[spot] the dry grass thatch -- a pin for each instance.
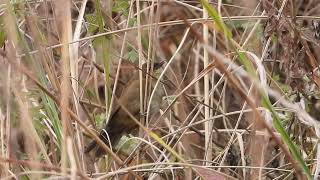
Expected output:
(156, 89)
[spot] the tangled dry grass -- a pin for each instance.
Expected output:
(239, 87)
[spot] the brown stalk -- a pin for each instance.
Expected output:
(38, 165)
(312, 63)
(63, 17)
(311, 60)
(43, 55)
(74, 117)
(236, 85)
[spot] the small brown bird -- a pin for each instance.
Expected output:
(120, 122)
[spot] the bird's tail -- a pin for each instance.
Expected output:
(91, 146)
(113, 137)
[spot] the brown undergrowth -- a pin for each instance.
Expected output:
(183, 97)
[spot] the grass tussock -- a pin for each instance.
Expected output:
(159, 89)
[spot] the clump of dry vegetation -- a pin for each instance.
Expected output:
(190, 89)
